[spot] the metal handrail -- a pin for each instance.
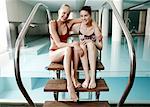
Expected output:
(137, 5)
(131, 52)
(124, 28)
(17, 50)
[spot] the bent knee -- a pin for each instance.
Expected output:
(55, 57)
(83, 46)
(91, 45)
(68, 50)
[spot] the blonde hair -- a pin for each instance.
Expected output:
(63, 5)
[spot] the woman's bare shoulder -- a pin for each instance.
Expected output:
(94, 24)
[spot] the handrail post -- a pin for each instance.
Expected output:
(131, 53)
(17, 51)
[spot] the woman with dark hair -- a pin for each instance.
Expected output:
(90, 39)
(60, 50)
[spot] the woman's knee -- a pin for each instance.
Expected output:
(83, 47)
(78, 50)
(91, 45)
(68, 50)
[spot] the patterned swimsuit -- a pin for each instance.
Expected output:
(87, 37)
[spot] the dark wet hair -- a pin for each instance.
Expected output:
(87, 8)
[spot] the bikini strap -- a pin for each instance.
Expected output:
(67, 28)
(86, 35)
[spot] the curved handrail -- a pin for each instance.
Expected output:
(131, 52)
(124, 28)
(17, 50)
(137, 5)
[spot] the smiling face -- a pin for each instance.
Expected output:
(64, 12)
(85, 16)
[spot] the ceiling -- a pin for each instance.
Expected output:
(54, 5)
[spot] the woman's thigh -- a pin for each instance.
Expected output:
(83, 47)
(91, 45)
(57, 55)
(91, 48)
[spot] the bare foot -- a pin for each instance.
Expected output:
(85, 83)
(72, 93)
(76, 83)
(92, 84)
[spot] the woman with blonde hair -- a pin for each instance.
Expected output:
(60, 50)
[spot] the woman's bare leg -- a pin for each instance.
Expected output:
(74, 76)
(92, 55)
(74, 67)
(57, 56)
(67, 68)
(84, 62)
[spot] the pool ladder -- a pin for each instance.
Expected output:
(100, 81)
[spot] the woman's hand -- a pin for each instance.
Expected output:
(100, 37)
(75, 43)
(99, 43)
(83, 42)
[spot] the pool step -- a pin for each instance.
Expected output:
(60, 85)
(76, 104)
(58, 66)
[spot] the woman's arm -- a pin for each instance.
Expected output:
(71, 22)
(75, 28)
(54, 34)
(99, 42)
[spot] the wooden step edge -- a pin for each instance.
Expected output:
(58, 66)
(76, 104)
(61, 86)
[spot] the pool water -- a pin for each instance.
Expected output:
(115, 58)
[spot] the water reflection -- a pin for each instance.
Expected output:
(139, 46)
(115, 55)
(146, 50)
(6, 65)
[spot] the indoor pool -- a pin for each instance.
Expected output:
(115, 58)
